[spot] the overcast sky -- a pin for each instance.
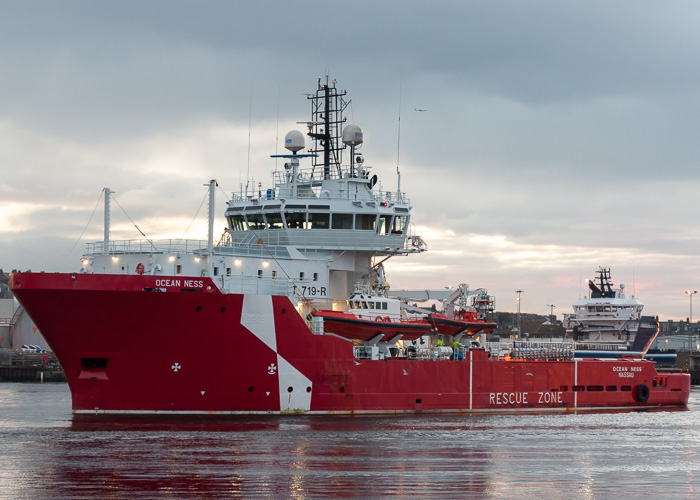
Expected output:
(558, 136)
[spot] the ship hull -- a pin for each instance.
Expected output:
(146, 344)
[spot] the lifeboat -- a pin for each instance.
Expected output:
(463, 322)
(352, 327)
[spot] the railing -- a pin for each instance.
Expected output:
(146, 246)
(313, 179)
(377, 352)
(326, 238)
(541, 351)
(593, 346)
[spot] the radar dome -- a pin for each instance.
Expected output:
(294, 141)
(352, 135)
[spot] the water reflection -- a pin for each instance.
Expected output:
(51, 454)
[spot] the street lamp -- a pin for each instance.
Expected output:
(518, 292)
(551, 312)
(690, 294)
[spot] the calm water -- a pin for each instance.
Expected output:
(45, 452)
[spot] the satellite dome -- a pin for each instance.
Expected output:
(352, 135)
(294, 141)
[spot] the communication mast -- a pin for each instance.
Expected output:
(327, 107)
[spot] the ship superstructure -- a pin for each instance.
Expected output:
(608, 322)
(311, 236)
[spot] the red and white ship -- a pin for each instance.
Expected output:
(192, 327)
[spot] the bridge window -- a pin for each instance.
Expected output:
(342, 221)
(318, 221)
(256, 222)
(238, 223)
(365, 221)
(384, 224)
(296, 220)
(274, 220)
(399, 224)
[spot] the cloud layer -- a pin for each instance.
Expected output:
(556, 138)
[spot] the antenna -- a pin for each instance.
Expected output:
(250, 119)
(277, 129)
(398, 141)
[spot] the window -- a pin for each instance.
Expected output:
(228, 271)
(295, 220)
(260, 273)
(216, 271)
(256, 222)
(178, 269)
(238, 223)
(365, 221)
(301, 275)
(315, 276)
(342, 221)
(318, 221)
(274, 220)
(274, 275)
(384, 224)
(399, 224)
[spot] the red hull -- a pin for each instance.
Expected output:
(127, 348)
(349, 326)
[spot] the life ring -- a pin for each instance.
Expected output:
(641, 393)
(378, 318)
(139, 268)
(387, 319)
